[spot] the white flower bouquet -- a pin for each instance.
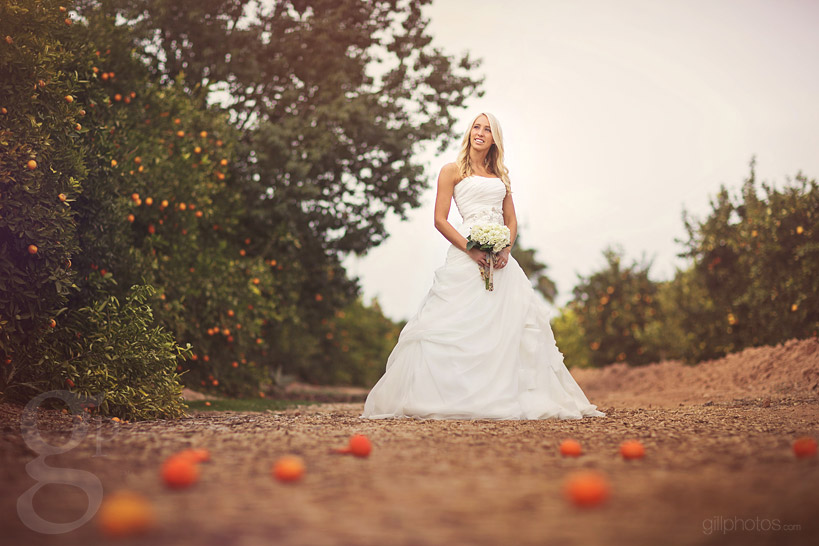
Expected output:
(490, 238)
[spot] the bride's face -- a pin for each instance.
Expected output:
(481, 136)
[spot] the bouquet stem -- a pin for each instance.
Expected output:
(487, 272)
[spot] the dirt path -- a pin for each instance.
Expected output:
(716, 471)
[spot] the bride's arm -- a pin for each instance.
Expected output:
(510, 219)
(443, 199)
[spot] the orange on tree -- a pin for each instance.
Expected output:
(32, 249)
(31, 164)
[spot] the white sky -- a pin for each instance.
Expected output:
(616, 116)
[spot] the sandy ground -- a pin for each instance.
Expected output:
(718, 469)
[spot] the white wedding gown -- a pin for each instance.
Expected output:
(470, 353)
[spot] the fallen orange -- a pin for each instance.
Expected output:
(359, 446)
(289, 468)
(804, 447)
(570, 448)
(179, 472)
(632, 449)
(587, 488)
(125, 513)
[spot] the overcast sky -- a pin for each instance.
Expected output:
(617, 115)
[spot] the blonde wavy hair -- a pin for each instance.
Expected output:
(494, 159)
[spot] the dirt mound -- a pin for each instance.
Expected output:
(790, 369)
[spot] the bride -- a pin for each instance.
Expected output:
(468, 352)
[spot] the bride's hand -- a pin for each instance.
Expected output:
(479, 256)
(502, 259)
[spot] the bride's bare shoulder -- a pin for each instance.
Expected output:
(450, 174)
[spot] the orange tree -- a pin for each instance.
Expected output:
(755, 259)
(614, 306)
(220, 287)
(332, 100)
(65, 324)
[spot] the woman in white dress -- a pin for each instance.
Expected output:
(468, 352)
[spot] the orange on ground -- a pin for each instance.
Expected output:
(125, 513)
(570, 448)
(632, 449)
(288, 468)
(359, 446)
(31, 164)
(179, 472)
(586, 488)
(804, 447)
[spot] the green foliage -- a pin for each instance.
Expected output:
(38, 233)
(571, 339)
(535, 270)
(751, 281)
(755, 259)
(614, 307)
(70, 207)
(334, 99)
(358, 341)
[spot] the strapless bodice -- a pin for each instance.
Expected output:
(479, 200)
